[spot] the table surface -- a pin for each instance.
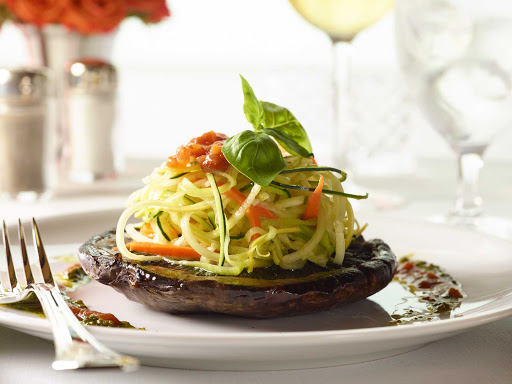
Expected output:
(483, 354)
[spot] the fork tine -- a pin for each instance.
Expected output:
(10, 266)
(26, 264)
(43, 260)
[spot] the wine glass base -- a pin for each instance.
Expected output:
(490, 225)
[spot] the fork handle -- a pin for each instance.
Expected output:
(75, 347)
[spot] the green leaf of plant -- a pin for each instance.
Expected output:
(252, 106)
(281, 119)
(287, 142)
(255, 155)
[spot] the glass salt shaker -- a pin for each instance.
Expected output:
(25, 137)
(91, 117)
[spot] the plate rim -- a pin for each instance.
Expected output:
(439, 326)
(26, 321)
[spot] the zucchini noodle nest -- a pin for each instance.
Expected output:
(181, 207)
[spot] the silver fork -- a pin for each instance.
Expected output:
(75, 347)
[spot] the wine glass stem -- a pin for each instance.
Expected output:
(468, 202)
(341, 99)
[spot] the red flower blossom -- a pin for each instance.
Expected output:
(151, 11)
(38, 12)
(94, 16)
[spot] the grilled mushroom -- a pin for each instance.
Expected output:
(264, 293)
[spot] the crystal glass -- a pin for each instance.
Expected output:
(457, 60)
(342, 20)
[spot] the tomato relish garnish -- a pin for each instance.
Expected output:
(205, 150)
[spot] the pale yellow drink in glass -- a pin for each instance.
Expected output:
(342, 19)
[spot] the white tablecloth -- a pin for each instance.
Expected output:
(481, 355)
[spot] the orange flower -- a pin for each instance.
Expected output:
(151, 11)
(94, 16)
(38, 12)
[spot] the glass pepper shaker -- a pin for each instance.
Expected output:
(25, 137)
(91, 117)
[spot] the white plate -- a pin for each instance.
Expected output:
(353, 333)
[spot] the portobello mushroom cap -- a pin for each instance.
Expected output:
(269, 292)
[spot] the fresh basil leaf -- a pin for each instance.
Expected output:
(287, 142)
(282, 119)
(252, 106)
(255, 155)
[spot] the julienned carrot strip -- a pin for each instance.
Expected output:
(264, 212)
(313, 205)
(163, 250)
(239, 197)
(147, 230)
(236, 195)
(314, 161)
(252, 213)
(255, 221)
(173, 232)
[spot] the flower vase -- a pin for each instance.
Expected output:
(55, 48)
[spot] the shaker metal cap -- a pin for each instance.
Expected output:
(92, 75)
(23, 84)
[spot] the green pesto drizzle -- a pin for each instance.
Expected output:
(433, 298)
(70, 279)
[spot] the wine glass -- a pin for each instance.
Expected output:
(342, 20)
(457, 61)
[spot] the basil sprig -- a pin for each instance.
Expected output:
(253, 108)
(286, 129)
(254, 153)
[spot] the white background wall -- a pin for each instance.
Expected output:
(180, 78)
